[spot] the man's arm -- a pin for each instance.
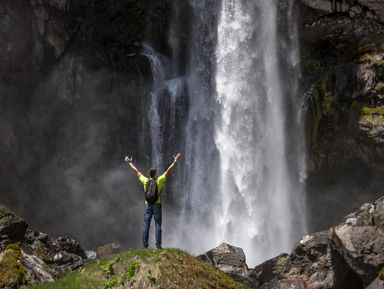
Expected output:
(175, 159)
(129, 161)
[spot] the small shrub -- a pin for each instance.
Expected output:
(130, 270)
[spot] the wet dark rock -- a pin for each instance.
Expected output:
(376, 284)
(230, 260)
(270, 269)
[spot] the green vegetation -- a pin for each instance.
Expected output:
(371, 43)
(12, 273)
(139, 268)
(41, 251)
(356, 105)
(130, 271)
(379, 110)
(371, 59)
(381, 274)
(379, 86)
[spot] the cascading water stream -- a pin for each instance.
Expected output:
(250, 134)
(168, 91)
(244, 154)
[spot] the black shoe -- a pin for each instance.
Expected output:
(159, 247)
(145, 246)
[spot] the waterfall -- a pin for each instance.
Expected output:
(251, 133)
(163, 106)
(245, 151)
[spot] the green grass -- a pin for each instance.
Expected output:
(372, 110)
(12, 273)
(140, 268)
(369, 58)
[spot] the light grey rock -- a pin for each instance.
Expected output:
(230, 260)
(91, 255)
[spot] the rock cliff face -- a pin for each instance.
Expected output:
(74, 87)
(342, 47)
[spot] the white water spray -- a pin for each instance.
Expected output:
(256, 211)
(245, 152)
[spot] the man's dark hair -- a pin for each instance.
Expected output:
(152, 173)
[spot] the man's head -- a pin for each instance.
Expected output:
(152, 173)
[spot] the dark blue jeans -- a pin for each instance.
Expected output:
(149, 211)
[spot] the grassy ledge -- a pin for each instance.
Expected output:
(140, 268)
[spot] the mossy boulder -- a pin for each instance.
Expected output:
(11, 226)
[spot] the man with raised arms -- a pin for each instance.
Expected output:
(152, 188)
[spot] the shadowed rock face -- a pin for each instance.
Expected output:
(74, 89)
(341, 50)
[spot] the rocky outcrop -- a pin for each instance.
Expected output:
(371, 8)
(31, 257)
(349, 255)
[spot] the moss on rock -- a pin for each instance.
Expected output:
(371, 43)
(41, 251)
(12, 273)
(381, 274)
(375, 60)
(378, 110)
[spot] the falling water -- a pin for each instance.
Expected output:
(245, 152)
(251, 132)
(164, 94)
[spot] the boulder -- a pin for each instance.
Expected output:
(347, 256)
(11, 226)
(313, 263)
(360, 240)
(107, 250)
(230, 260)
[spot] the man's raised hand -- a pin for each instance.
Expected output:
(128, 159)
(176, 157)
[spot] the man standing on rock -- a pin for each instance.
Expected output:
(152, 188)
